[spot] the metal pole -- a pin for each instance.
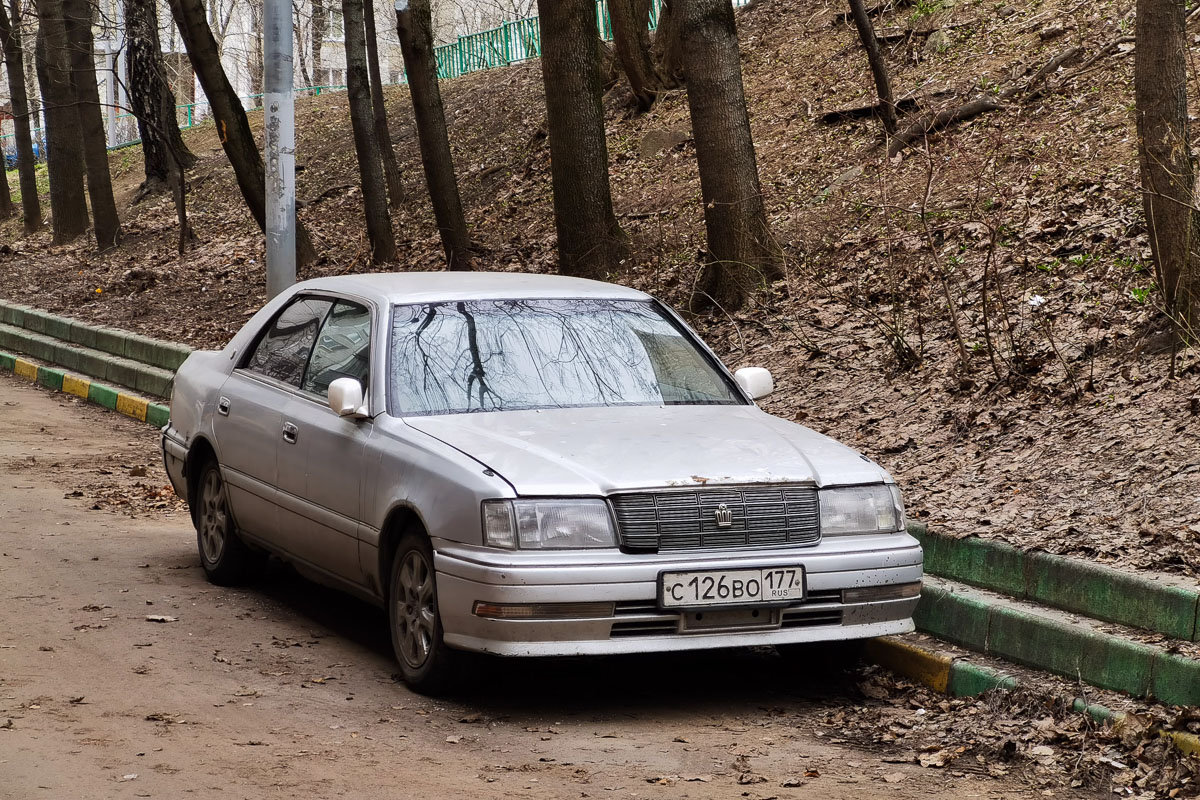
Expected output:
(280, 146)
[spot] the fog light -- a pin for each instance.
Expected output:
(543, 610)
(877, 594)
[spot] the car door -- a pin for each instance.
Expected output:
(249, 422)
(321, 465)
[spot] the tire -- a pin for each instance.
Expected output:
(226, 559)
(427, 665)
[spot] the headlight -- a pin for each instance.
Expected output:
(861, 509)
(547, 524)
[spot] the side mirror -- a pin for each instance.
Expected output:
(755, 381)
(346, 398)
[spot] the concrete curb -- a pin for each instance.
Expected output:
(1070, 584)
(957, 677)
(130, 405)
(116, 342)
(1074, 650)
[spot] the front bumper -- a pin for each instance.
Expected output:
(466, 576)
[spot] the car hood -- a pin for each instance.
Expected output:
(595, 451)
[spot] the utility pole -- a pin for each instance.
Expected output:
(279, 104)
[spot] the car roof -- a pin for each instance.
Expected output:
(425, 287)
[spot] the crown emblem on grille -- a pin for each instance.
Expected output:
(724, 516)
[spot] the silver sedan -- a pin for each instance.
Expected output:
(529, 465)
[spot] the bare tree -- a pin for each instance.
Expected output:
(320, 24)
(667, 49)
(883, 83)
(64, 140)
(631, 40)
(150, 97)
(255, 66)
(743, 255)
(232, 125)
(414, 24)
(590, 242)
(370, 170)
(106, 224)
(383, 136)
(14, 61)
(1168, 174)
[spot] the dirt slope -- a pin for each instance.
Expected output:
(980, 317)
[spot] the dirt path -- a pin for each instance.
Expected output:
(286, 690)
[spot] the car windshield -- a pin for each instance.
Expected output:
(506, 355)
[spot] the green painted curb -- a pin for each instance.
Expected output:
(1071, 584)
(968, 680)
(1097, 658)
(158, 415)
(98, 365)
(50, 378)
(959, 677)
(103, 395)
(153, 352)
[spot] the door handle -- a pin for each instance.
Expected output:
(290, 432)
(223, 406)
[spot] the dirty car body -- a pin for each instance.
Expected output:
(529, 465)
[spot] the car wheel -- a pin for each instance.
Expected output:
(225, 557)
(426, 663)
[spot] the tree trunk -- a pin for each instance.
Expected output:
(320, 20)
(414, 24)
(370, 170)
(230, 118)
(743, 254)
(6, 203)
(14, 61)
(383, 136)
(590, 243)
(879, 70)
(150, 96)
(668, 42)
(631, 40)
(105, 222)
(1160, 86)
(64, 140)
(254, 58)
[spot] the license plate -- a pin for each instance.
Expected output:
(732, 587)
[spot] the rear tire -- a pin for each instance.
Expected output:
(427, 665)
(226, 559)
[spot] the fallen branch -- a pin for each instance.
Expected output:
(325, 195)
(933, 122)
(863, 112)
(1086, 66)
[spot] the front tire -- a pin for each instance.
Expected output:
(226, 559)
(426, 663)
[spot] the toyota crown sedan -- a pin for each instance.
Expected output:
(529, 465)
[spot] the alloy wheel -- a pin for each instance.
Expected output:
(416, 614)
(214, 517)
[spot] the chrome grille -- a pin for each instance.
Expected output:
(762, 516)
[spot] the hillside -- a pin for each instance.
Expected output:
(980, 318)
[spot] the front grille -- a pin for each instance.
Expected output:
(760, 516)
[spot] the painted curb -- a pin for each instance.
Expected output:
(139, 376)
(152, 352)
(993, 627)
(957, 677)
(1070, 584)
(138, 408)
